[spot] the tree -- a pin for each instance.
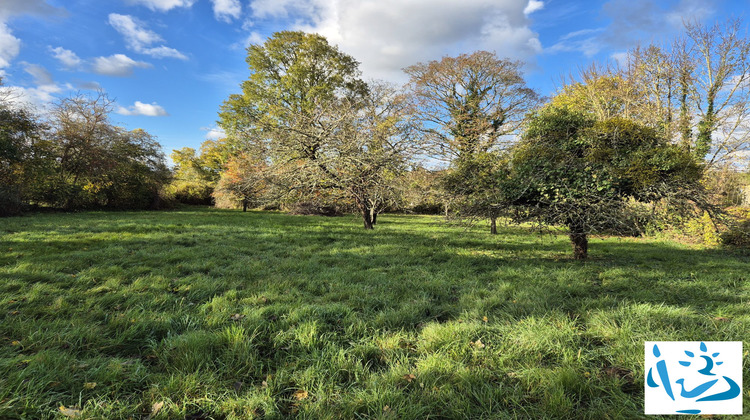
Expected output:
(20, 150)
(319, 126)
(245, 180)
(468, 105)
(196, 175)
(570, 169)
(97, 164)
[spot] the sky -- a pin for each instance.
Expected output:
(169, 64)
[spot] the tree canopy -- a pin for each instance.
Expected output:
(572, 170)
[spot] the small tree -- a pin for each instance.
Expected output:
(244, 180)
(574, 171)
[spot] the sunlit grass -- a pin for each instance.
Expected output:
(223, 314)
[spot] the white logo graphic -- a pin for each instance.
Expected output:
(693, 377)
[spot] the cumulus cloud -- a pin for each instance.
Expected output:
(533, 6)
(10, 46)
(162, 5)
(67, 58)
(118, 65)
(227, 10)
(140, 39)
(214, 133)
(387, 35)
(142, 109)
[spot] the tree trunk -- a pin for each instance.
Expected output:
(244, 205)
(493, 225)
(580, 244)
(367, 217)
(373, 216)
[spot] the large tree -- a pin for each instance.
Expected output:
(469, 106)
(319, 126)
(572, 170)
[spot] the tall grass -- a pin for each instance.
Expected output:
(222, 314)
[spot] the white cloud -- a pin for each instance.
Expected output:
(163, 5)
(10, 46)
(533, 6)
(633, 21)
(214, 133)
(139, 108)
(139, 38)
(387, 35)
(31, 7)
(227, 10)
(119, 65)
(42, 77)
(68, 58)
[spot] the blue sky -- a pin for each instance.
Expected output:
(170, 63)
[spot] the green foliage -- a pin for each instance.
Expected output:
(572, 170)
(227, 314)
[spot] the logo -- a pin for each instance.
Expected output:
(693, 377)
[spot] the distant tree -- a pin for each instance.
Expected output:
(20, 149)
(196, 174)
(305, 109)
(468, 106)
(572, 170)
(246, 179)
(98, 164)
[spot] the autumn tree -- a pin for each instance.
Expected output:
(468, 106)
(573, 170)
(318, 124)
(246, 179)
(98, 164)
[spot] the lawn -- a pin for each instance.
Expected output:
(204, 313)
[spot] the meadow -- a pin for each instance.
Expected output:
(204, 313)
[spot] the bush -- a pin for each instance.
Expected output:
(739, 231)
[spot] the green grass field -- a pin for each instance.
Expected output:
(204, 313)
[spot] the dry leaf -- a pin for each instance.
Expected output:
(300, 395)
(70, 412)
(478, 344)
(89, 385)
(264, 384)
(386, 409)
(410, 377)
(236, 317)
(484, 318)
(156, 407)
(15, 343)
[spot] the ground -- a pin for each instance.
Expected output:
(204, 313)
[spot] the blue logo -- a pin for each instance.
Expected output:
(693, 378)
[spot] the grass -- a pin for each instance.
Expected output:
(219, 314)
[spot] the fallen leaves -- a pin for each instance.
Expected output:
(70, 411)
(300, 395)
(89, 385)
(409, 377)
(236, 317)
(155, 408)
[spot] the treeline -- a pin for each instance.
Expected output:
(75, 158)
(618, 149)
(655, 141)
